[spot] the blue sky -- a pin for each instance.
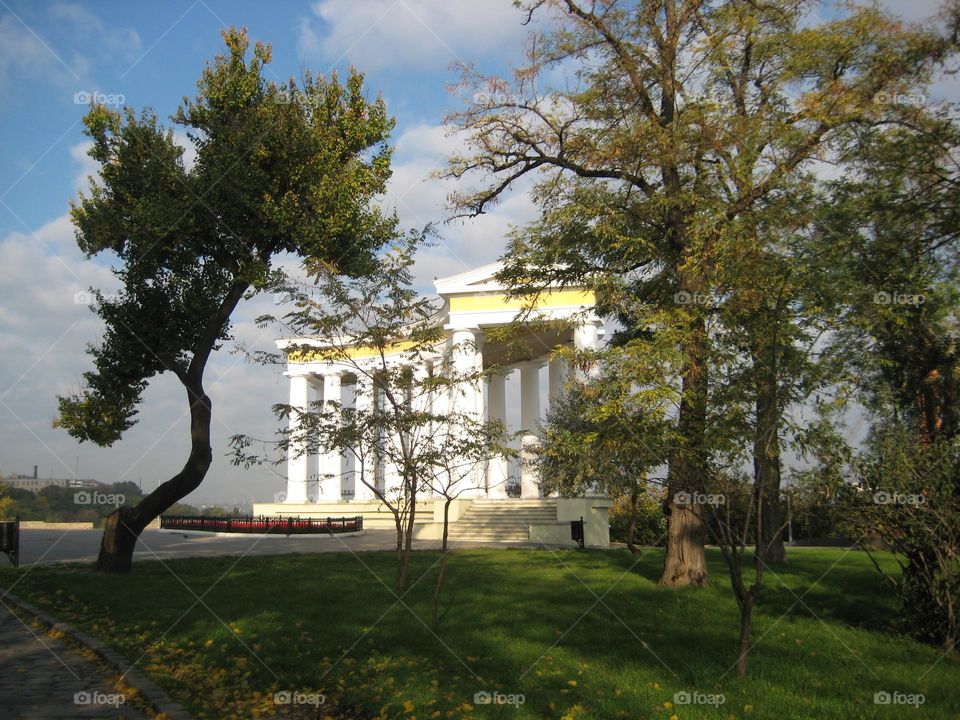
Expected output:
(152, 55)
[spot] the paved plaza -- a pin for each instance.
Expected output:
(53, 546)
(43, 677)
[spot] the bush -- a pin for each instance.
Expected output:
(651, 523)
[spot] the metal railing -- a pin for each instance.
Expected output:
(262, 524)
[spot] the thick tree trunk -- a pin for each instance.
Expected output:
(766, 464)
(685, 561)
(124, 525)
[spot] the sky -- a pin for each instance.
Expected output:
(55, 54)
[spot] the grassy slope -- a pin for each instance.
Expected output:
(522, 621)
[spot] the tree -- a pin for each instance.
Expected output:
(279, 169)
(890, 240)
(904, 495)
(379, 330)
(608, 432)
(734, 514)
(453, 449)
(679, 118)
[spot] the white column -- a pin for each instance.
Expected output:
(297, 459)
(498, 468)
(364, 403)
(466, 360)
(392, 479)
(530, 422)
(467, 397)
(586, 337)
(331, 463)
(559, 370)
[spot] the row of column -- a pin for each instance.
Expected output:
(466, 347)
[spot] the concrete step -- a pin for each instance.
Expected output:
(517, 537)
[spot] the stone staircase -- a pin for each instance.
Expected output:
(502, 520)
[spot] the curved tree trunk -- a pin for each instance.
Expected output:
(124, 525)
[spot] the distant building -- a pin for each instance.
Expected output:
(35, 484)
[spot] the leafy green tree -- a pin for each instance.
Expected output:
(279, 169)
(890, 240)
(680, 119)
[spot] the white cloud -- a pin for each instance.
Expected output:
(43, 335)
(378, 34)
(189, 149)
(22, 53)
(421, 198)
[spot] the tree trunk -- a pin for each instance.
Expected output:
(435, 612)
(403, 565)
(632, 524)
(746, 618)
(124, 525)
(685, 561)
(766, 464)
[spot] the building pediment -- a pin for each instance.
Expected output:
(481, 279)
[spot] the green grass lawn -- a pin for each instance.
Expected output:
(515, 621)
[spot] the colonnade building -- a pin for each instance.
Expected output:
(504, 494)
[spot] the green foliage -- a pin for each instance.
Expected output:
(61, 504)
(650, 524)
(906, 495)
(279, 169)
(7, 509)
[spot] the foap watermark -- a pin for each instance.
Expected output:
(894, 98)
(485, 697)
(882, 497)
(690, 298)
(884, 697)
(85, 297)
(95, 697)
(297, 697)
(95, 497)
(686, 499)
(84, 97)
(898, 298)
(698, 698)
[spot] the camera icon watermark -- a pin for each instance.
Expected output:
(297, 697)
(85, 97)
(883, 697)
(485, 697)
(686, 499)
(95, 697)
(94, 497)
(698, 698)
(898, 298)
